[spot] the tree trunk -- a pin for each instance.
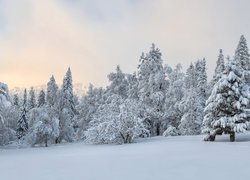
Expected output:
(232, 136)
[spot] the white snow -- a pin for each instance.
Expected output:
(159, 158)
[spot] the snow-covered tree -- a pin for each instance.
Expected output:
(193, 113)
(24, 105)
(220, 67)
(31, 99)
(174, 95)
(16, 100)
(119, 83)
(132, 86)
(43, 129)
(6, 134)
(242, 56)
(41, 99)
(52, 88)
(116, 122)
(152, 88)
(22, 124)
(87, 107)
(225, 110)
(201, 79)
(67, 109)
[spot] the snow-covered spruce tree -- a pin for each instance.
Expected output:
(192, 118)
(24, 103)
(201, 78)
(43, 127)
(152, 88)
(87, 107)
(16, 100)
(174, 95)
(191, 105)
(67, 109)
(116, 122)
(41, 99)
(52, 88)
(220, 68)
(22, 124)
(242, 56)
(119, 83)
(132, 86)
(31, 99)
(225, 106)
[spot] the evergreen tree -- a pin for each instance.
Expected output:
(87, 108)
(220, 67)
(24, 99)
(22, 124)
(52, 88)
(174, 95)
(201, 79)
(242, 56)
(119, 83)
(67, 109)
(225, 111)
(32, 99)
(16, 100)
(41, 99)
(152, 88)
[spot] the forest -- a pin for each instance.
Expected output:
(156, 100)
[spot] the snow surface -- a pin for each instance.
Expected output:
(159, 158)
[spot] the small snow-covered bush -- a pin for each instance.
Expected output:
(171, 131)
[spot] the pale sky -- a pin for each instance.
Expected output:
(39, 38)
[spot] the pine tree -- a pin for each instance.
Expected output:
(220, 67)
(174, 95)
(24, 99)
(52, 88)
(225, 110)
(152, 88)
(242, 56)
(32, 99)
(22, 124)
(201, 79)
(191, 105)
(119, 83)
(41, 99)
(67, 109)
(16, 100)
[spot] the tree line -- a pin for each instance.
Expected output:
(155, 100)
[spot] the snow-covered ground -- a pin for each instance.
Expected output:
(160, 158)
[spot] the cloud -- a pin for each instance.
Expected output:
(44, 37)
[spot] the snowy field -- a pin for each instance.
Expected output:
(160, 158)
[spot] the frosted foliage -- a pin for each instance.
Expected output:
(87, 107)
(6, 134)
(225, 110)
(242, 56)
(193, 113)
(174, 95)
(152, 87)
(117, 122)
(171, 131)
(51, 95)
(119, 83)
(31, 99)
(4, 96)
(44, 128)
(22, 124)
